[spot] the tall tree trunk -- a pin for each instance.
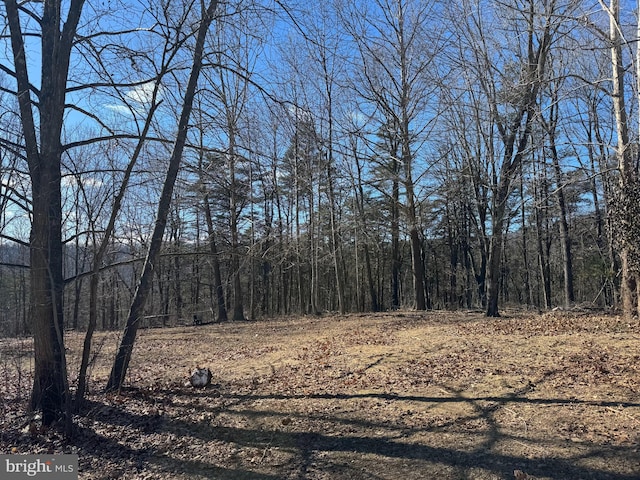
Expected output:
(528, 292)
(359, 190)
(628, 287)
(335, 237)
(542, 236)
(550, 126)
(50, 393)
(515, 138)
(234, 212)
(395, 236)
(495, 249)
(511, 163)
(50, 389)
(466, 259)
(602, 243)
(123, 356)
(195, 268)
(313, 240)
(177, 280)
(565, 239)
(453, 241)
(418, 269)
(417, 264)
(215, 260)
(302, 303)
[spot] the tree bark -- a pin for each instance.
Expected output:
(215, 260)
(565, 239)
(628, 287)
(50, 389)
(395, 235)
(515, 137)
(550, 126)
(373, 294)
(99, 257)
(123, 356)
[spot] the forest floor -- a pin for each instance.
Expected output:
(405, 395)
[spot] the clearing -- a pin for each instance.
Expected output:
(403, 395)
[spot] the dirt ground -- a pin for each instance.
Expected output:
(410, 395)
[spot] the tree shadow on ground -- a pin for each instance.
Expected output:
(132, 460)
(348, 447)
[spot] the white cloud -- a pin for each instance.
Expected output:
(137, 99)
(89, 182)
(142, 94)
(122, 109)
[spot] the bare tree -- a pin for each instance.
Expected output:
(323, 43)
(510, 79)
(100, 254)
(361, 222)
(43, 151)
(550, 126)
(123, 355)
(204, 180)
(397, 42)
(140, 101)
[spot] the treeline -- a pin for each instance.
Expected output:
(276, 275)
(358, 157)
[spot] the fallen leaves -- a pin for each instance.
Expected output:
(414, 395)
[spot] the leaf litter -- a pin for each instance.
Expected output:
(447, 395)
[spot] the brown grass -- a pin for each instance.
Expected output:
(389, 396)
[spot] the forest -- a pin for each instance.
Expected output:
(174, 162)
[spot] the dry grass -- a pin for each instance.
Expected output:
(386, 396)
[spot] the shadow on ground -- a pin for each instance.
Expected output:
(258, 436)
